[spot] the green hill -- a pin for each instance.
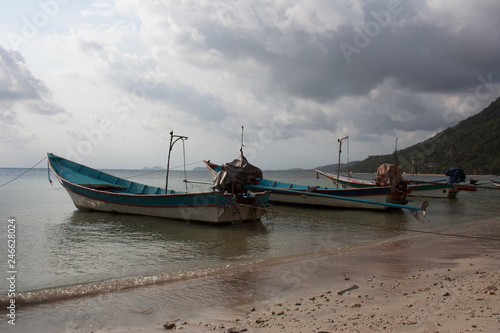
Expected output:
(472, 145)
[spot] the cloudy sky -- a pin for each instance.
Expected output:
(104, 82)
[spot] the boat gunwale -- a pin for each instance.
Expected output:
(143, 195)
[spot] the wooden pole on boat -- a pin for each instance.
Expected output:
(338, 164)
(396, 153)
(241, 147)
(172, 142)
(168, 160)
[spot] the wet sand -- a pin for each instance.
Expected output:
(427, 283)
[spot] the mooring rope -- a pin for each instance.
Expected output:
(377, 226)
(25, 172)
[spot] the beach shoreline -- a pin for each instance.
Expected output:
(427, 283)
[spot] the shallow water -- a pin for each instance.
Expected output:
(72, 257)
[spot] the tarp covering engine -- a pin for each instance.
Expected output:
(235, 174)
(389, 175)
(456, 175)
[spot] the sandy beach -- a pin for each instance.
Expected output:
(458, 299)
(428, 283)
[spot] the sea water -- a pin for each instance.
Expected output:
(68, 261)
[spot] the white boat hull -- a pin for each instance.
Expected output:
(449, 192)
(209, 213)
(329, 202)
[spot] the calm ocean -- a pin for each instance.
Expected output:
(71, 264)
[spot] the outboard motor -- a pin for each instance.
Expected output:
(456, 175)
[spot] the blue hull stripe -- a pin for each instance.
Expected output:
(157, 202)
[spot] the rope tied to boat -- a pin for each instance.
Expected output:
(25, 172)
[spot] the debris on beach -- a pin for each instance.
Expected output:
(236, 330)
(354, 287)
(169, 326)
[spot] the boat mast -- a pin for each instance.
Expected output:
(172, 143)
(242, 145)
(396, 153)
(338, 164)
(412, 166)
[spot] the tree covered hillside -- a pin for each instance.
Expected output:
(473, 145)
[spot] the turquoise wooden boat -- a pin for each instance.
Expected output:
(95, 190)
(432, 190)
(377, 198)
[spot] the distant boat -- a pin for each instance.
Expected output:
(366, 198)
(470, 188)
(495, 182)
(95, 190)
(392, 175)
(428, 190)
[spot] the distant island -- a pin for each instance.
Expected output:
(155, 168)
